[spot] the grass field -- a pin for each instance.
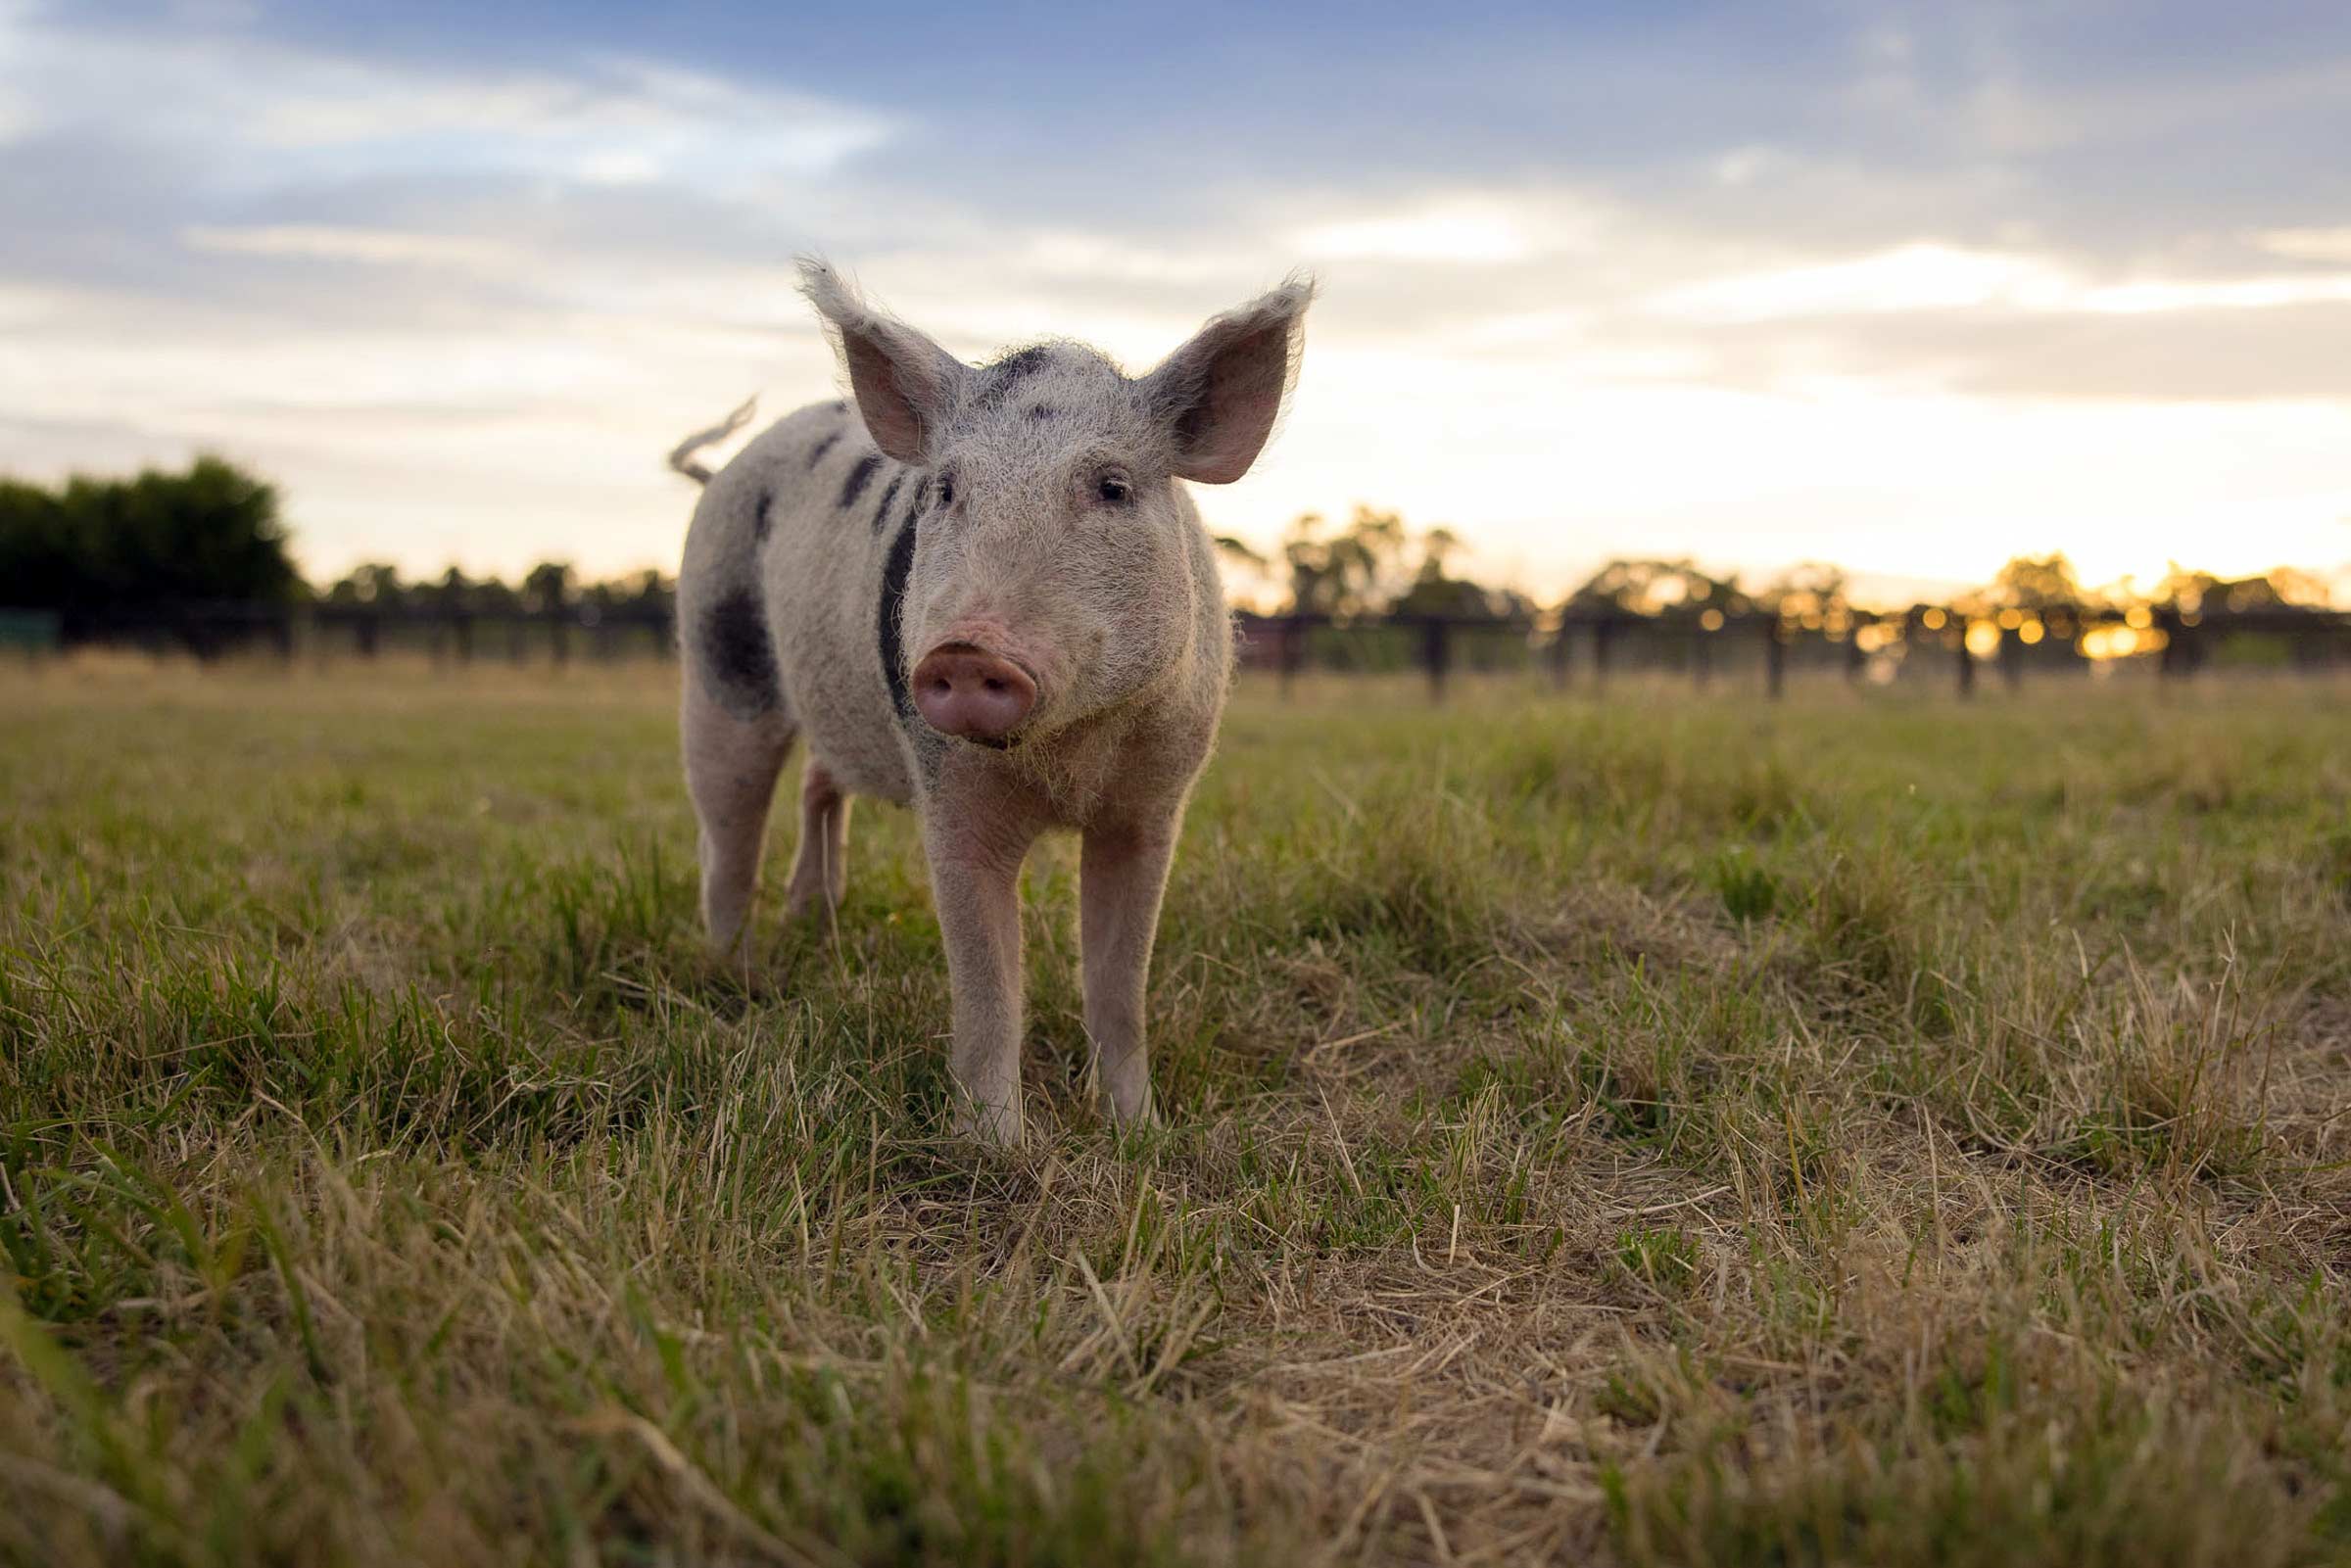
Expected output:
(1666, 1131)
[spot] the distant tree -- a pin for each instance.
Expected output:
(1810, 593)
(1377, 565)
(2037, 583)
(547, 586)
(41, 565)
(150, 543)
(1435, 590)
(452, 596)
(1674, 589)
(377, 583)
(2286, 588)
(494, 597)
(1340, 574)
(641, 591)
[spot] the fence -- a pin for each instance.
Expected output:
(1572, 650)
(1586, 647)
(370, 630)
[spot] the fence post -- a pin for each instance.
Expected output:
(2171, 661)
(1775, 659)
(2012, 659)
(1289, 650)
(1603, 632)
(1701, 658)
(1967, 665)
(1559, 652)
(1436, 654)
(369, 632)
(1857, 663)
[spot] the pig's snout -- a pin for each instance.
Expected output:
(973, 694)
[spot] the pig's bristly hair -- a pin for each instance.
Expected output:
(836, 300)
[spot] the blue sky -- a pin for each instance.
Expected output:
(1912, 287)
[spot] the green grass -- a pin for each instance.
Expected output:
(1659, 1131)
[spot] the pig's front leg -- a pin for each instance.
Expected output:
(976, 883)
(1121, 873)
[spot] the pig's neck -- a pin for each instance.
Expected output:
(1134, 759)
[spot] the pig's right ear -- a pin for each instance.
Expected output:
(904, 383)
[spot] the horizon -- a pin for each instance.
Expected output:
(1907, 290)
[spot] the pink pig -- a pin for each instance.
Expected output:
(984, 594)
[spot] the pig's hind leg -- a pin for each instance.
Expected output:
(730, 765)
(820, 867)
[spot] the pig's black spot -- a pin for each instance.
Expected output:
(1027, 362)
(1044, 411)
(859, 477)
(737, 653)
(882, 512)
(763, 521)
(1010, 372)
(890, 636)
(816, 454)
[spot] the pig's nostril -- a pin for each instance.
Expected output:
(978, 696)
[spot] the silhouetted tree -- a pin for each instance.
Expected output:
(377, 583)
(1812, 594)
(2037, 583)
(158, 540)
(1377, 565)
(2284, 588)
(547, 586)
(1674, 589)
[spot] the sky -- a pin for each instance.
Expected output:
(1912, 288)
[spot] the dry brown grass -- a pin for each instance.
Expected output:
(1842, 1134)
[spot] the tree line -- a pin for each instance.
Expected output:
(104, 551)
(100, 552)
(1375, 566)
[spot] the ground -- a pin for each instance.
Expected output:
(1654, 1129)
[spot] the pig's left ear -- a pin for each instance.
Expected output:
(904, 383)
(1221, 393)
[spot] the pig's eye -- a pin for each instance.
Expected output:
(1114, 490)
(945, 484)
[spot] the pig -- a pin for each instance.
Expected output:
(981, 592)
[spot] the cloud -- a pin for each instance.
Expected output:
(1930, 276)
(1909, 290)
(262, 109)
(2309, 244)
(365, 246)
(1923, 277)
(1463, 232)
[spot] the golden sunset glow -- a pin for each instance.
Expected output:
(1873, 307)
